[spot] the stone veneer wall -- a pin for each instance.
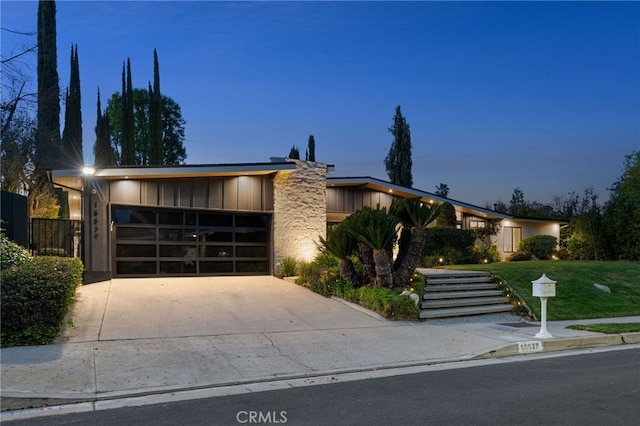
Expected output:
(299, 211)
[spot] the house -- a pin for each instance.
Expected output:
(345, 195)
(231, 219)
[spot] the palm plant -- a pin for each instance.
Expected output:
(340, 244)
(378, 230)
(415, 217)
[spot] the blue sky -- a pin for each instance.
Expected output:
(544, 96)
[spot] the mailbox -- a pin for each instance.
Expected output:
(544, 287)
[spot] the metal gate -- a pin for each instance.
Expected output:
(56, 237)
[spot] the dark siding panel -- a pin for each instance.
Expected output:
(125, 191)
(150, 193)
(200, 193)
(168, 193)
(186, 192)
(230, 199)
(215, 193)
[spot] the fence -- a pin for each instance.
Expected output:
(56, 237)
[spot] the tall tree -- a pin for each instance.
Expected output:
(311, 149)
(442, 190)
(623, 210)
(294, 153)
(155, 116)
(102, 148)
(72, 133)
(173, 151)
(48, 131)
(128, 153)
(398, 162)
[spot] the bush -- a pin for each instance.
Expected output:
(287, 267)
(519, 256)
(35, 296)
(452, 245)
(487, 255)
(11, 253)
(387, 303)
(540, 246)
(322, 276)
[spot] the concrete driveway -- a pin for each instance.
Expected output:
(144, 308)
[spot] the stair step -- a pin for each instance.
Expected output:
(457, 287)
(464, 311)
(470, 301)
(439, 280)
(460, 294)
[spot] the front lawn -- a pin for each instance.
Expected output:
(615, 328)
(576, 295)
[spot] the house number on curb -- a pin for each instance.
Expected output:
(529, 347)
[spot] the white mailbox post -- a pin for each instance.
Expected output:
(544, 287)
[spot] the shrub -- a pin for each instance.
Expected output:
(452, 245)
(287, 267)
(519, 256)
(540, 246)
(487, 255)
(11, 253)
(322, 276)
(387, 303)
(35, 296)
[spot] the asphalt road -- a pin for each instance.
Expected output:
(600, 388)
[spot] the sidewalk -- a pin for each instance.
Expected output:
(262, 329)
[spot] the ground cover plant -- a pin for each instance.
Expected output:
(322, 275)
(576, 295)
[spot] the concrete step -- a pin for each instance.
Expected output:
(457, 287)
(455, 280)
(464, 311)
(469, 301)
(460, 294)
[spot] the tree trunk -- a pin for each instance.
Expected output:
(348, 271)
(384, 275)
(402, 275)
(366, 256)
(403, 247)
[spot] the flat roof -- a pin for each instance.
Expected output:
(72, 178)
(405, 192)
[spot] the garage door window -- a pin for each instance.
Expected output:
(152, 241)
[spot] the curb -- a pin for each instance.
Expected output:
(560, 344)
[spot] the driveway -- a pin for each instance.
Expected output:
(143, 308)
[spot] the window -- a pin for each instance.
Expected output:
(512, 238)
(477, 223)
(161, 241)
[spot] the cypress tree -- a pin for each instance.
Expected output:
(128, 135)
(155, 116)
(294, 153)
(72, 134)
(102, 147)
(48, 115)
(312, 148)
(398, 162)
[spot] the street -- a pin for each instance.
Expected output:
(589, 389)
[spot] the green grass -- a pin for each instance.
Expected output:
(576, 297)
(622, 327)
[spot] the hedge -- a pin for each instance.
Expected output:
(35, 296)
(11, 253)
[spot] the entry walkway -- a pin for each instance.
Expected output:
(139, 337)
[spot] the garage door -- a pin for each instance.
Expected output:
(158, 242)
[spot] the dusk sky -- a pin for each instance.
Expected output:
(544, 96)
